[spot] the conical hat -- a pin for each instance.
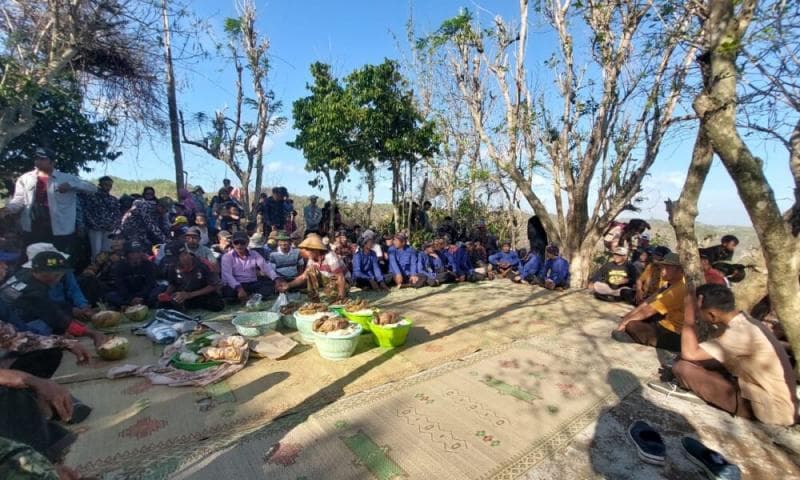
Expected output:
(313, 242)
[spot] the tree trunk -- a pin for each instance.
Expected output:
(259, 175)
(683, 212)
(410, 212)
(581, 264)
(245, 179)
(717, 106)
(172, 102)
(395, 194)
(332, 217)
(370, 196)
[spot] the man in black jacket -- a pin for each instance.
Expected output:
(616, 280)
(134, 279)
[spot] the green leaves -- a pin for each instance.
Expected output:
(232, 26)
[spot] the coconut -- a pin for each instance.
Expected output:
(137, 313)
(106, 319)
(114, 349)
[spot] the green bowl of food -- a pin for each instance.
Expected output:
(178, 362)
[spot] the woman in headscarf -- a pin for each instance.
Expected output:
(189, 207)
(141, 224)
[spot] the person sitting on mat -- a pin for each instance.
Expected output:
(433, 267)
(531, 271)
(744, 371)
(658, 321)
(506, 261)
(650, 282)
(555, 271)
(616, 280)
(192, 284)
(403, 264)
(366, 270)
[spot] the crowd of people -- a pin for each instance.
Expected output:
(195, 253)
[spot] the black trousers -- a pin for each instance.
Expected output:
(22, 420)
(264, 286)
(213, 302)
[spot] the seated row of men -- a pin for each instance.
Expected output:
(741, 368)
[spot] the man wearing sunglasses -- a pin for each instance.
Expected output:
(245, 272)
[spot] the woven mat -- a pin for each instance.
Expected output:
(133, 420)
(492, 415)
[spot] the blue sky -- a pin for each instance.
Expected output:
(349, 34)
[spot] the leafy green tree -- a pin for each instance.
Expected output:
(60, 124)
(327, 131)
(391, 129)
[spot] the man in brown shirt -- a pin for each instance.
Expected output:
(743, 371)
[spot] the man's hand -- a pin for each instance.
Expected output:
(98, 338)
(54, 395)
(64, 188)
(639, 297)
(181, 297)
(137, 301)
(241, 294)
(281, 286)
(622, 325)
(413, 279)
(81, 354)
(84, 313)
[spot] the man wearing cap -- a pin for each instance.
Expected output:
(403, 264)
(432, 267)
(650, 282)
(287, 260)
(506, 261)
(658, 321)
(555, 271)
(245, 272)
(102, 215)
(47, 201)
(28, 291)
(191, 283)
(134, 279)
(616, 280)
(324, 269)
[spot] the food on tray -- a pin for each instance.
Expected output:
(389, 320)
(106, 319)
(114, 349)
(312, 308)
(289, 308)
(356, 305)
(137, 313)
(329, 324)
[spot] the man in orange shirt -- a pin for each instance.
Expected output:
(658, 321)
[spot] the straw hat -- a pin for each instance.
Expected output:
(313, 242)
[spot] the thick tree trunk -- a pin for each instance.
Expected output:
(717, 106)
(395, 194)
(172, 102)
(581, 263)
(683, 212)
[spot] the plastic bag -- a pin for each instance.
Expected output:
(254, 303)
(282, 300)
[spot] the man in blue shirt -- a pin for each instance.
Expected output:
(555, 272)
(403, 264)
(366, 270)
(531, 271)
(433, 266)
(506, 261)
(461, 266)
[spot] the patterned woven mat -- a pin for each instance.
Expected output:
(492, 415)
(140, 431)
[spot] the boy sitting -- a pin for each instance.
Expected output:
(555, 271)
(506, 261)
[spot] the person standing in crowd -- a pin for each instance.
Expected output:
(230, 218)
(287, 259)
(245, 272)
(47, 201)
(423, 217)
(189, 208)
(537, 236)
(744, 370)
(199, 198)
(658, 321)
(276, 209)
(142, 223)
(149, 194)
(102, 215)
(291, 222)
(191, 283)
(134, 279)
(616, 280)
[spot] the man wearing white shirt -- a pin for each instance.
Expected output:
(47, 201)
